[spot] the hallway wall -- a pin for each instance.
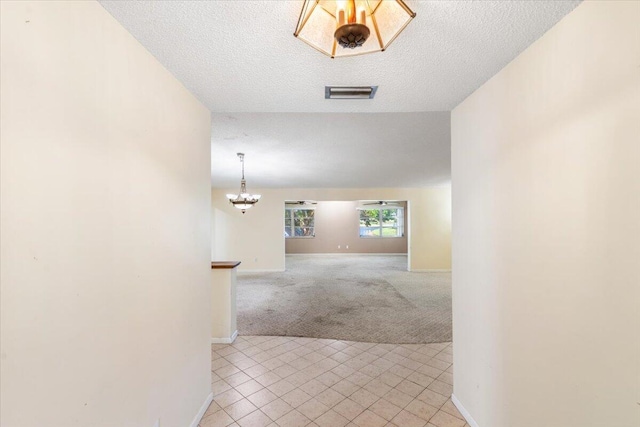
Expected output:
(546, 238)
(257, 237)
(105, 234)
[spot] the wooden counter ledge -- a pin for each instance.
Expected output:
(225, 264)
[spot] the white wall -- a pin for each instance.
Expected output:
(105, 226)
(546, 238)
(257, 237)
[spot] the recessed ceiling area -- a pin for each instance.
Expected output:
(266, 89)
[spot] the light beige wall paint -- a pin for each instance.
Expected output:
(105, 226)
(337, 223)
(546, 243)
(257, 237)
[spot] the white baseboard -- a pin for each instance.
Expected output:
(202, 410)
(350, 253)
(229, 340)
(463, 411)
(431, 270)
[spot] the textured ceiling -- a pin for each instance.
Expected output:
(241, 60)
(331, 150)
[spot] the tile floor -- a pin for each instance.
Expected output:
(290, 382)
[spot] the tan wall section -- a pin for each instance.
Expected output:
(338, 224)
(105, 226)
(257, 237)
(546, 242)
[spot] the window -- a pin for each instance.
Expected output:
(299, 222)
(382, 222)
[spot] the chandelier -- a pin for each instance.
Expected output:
(352, 27)
(243, 200)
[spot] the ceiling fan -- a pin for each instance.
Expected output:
(382, 203)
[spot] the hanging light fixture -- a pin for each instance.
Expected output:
(243, 200)
(350, 27)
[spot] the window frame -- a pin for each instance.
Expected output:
(399, 228)
(291, 211)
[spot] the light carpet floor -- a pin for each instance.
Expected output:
(354, 298)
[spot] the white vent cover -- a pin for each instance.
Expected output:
(350, 92)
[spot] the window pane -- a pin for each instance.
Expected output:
(300, 223)
(388, 222)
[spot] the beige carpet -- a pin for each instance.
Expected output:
(354, 298)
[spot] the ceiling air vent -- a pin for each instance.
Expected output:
(350, 92)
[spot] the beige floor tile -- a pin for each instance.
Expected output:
(312, 408)
(281, 388)
(329, 397)
(219, 363)
(331, 384)
(296, 397)
(240, 409)
(219, 419)
(220, 387)
(255, 419)
(237, 379)
(420, 379)
(284, 370)
(385, 409)
(345, 388)
(445, 357)
(390, 379)
(256, 371)
(432, 398)
(227, 398)
(446, 377)
(313, 387)
(271, 364)
(369, 419)
(359, 379)
(430, 371)
(442, 419)
(227, 371)
(364, 397)
(378, 388)
(398, 398)
(248, 388)
(245, 363)
(343, 371)
(349, 409)
(400, 371)
(407, 419)
(331, 419)
(276, 409)
(450, 408)
(293, 419)
(421, 409)
(262, 397)
(213, 408)
(438, 364)
(372, 370)
(410, 388)
(441, 387)
(268, 379)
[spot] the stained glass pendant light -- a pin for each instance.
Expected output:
(352, 27)
(243, 200)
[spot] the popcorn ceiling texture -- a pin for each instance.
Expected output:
(241, 56)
